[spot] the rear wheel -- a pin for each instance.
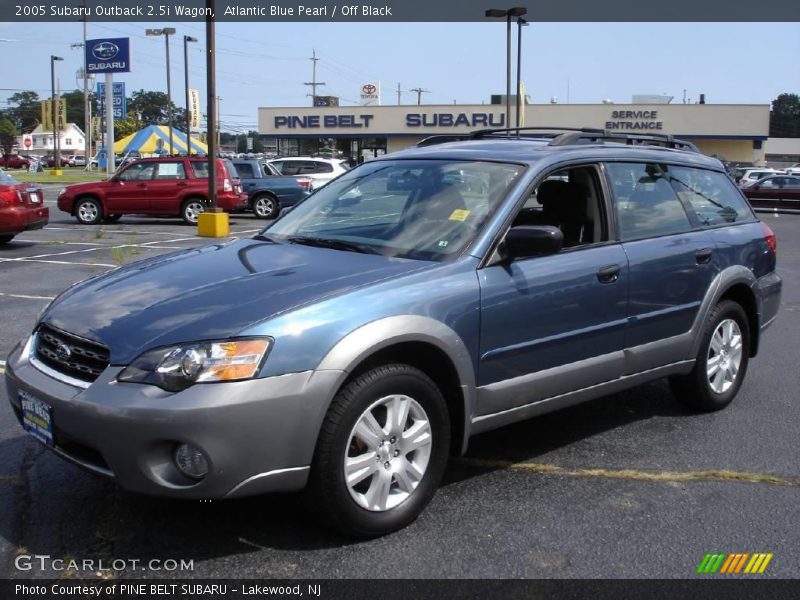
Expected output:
(4, 239)
(721, 363)
(191, 209)
(381, 452)
(265, 206)
(88, 211)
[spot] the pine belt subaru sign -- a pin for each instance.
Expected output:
(111, 55)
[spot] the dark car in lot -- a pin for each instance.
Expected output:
(267, 190)
(165, 187)
(413, 302)
(21, 207)
(778, 191)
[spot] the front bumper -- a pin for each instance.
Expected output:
(258, 435)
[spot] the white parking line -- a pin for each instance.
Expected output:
(26, 297)
(60, 262)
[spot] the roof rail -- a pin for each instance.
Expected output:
(441, 139)
(481, 133)
(631, 139)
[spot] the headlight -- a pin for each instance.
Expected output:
(175, 368)
(62, 191)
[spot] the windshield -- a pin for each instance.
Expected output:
(421, 209)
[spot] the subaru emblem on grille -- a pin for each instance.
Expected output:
(63, 352)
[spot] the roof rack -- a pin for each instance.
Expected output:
(631, 139)
(568, 136)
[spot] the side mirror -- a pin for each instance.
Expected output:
(524, 241)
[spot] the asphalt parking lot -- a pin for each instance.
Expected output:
(629, 486)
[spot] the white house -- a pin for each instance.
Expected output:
(41, 142)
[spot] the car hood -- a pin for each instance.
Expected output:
(212, 292)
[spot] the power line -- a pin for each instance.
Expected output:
(419, 92)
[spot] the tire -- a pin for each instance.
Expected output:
(725, 346)
(190, 210)
(5, 238)
(112, 218)
(265, 206)
(88, 211)
(392, 478)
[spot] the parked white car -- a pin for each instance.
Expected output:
(793, 170)
(320, 170)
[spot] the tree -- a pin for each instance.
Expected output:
(241, 142)
(8, 134)
(25, 115)
(152, 108)
(75, 108)
(784, 120)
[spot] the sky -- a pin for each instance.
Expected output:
(266, 64)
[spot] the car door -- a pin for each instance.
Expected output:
(790, 193)
(128, 191)
(671, 262)
(167, 188)
(554, 324)
(765, 193)
(247, 176)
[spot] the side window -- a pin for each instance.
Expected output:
(138, 172)
(710, 196)
(200, 169)
(245, 170)
(645, 202)
(278, 165)
(322, 167)
(792, 182)
(170, 170)
(291, 167)
(570, 199)
(771, 183)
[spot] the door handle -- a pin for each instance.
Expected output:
(144, 185)
(608, 274)
(181, 184)
(703, 256)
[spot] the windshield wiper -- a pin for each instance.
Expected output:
(334, 244)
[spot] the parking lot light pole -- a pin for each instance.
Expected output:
(166, 32)
(520, 24)
(56, 153)
(186, 40)
(494, 13)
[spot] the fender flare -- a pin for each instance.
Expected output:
(365, 341)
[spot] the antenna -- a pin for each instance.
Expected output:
(419, 92)
(314, 83)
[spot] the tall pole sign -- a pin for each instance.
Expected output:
(108, 56)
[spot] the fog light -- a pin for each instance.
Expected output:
(191, 461)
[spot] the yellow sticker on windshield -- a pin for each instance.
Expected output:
(459, 214)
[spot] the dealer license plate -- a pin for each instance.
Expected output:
(34, 197)
(37, 417)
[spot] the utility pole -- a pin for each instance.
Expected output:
(398, 95)
(419, 92)
(314, 83)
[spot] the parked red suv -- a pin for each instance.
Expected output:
(168, 187)
(21, 208)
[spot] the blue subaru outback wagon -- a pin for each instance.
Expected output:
(415, 301)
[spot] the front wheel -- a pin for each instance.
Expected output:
(88, 211)
(721, 363)
(381, 452)
(191, 210)
(265, 207)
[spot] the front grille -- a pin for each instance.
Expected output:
(70, 354)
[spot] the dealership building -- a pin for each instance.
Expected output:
(736, 132)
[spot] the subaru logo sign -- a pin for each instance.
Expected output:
(105, 50)
(110, 55)
(63, 352)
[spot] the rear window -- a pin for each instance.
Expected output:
(245, 170)
(200, 169)
(711, 197)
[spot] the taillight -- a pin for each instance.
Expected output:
(226, 185)
(769, 237)
(10, 197)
